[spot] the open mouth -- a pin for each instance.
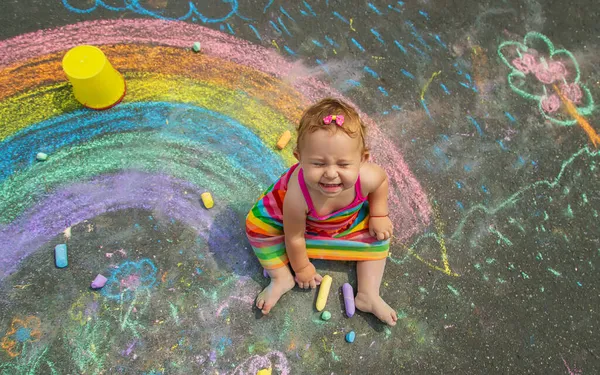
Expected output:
(330, 187)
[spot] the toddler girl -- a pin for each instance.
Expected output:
(332, 204)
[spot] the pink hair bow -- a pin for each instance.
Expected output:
(339, 119)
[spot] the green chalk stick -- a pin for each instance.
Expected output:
(60, 255)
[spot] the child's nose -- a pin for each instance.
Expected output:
(331, 172)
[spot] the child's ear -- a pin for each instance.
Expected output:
(365, 157)
(297, 154)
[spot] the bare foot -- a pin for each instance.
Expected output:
(271, 294)
(376, 306)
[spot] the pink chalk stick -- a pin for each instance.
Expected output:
(99, 282)
(348, 299)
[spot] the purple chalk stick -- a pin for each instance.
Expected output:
(265, 273)
(99, 282)
(348, 299)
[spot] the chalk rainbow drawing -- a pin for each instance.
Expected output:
(535, 66)
(189, 123)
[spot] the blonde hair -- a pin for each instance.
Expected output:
(312, 120)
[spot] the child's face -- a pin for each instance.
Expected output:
(331, 162)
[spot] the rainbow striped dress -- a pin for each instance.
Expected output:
(341, 235)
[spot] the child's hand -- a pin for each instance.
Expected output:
(308, 277)
(381, 228)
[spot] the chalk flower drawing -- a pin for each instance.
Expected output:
(191, 12)
(129, 278)
(85, 308)
(21, 332)
(536, 67)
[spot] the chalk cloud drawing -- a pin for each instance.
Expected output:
(145, 8)
(536, 66)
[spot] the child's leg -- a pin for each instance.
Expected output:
(369, 274)
(281, 282)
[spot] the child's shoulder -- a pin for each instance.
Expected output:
(294, 197)
(371, 177)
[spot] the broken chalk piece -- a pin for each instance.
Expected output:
(265, 371)
(350, 336)
(60, 255)
(207, 200)
(196, 47)
(323, 292)
(67, 233)
(41, 156)
(99, 282)
(284, 139)
(265, 273)
(326, 315)
(348, 299)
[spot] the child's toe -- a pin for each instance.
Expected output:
(266, 308)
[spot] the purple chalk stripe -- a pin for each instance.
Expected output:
(108, 193)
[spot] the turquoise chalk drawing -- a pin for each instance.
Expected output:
(130, 278)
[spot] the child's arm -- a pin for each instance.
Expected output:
(294, 227)
(374, 182)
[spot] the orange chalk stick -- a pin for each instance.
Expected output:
(284, 139)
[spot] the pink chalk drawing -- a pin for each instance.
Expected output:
(572, 91)
(550, 72)
(536, 66)
(573, 371)
(526, 63)
(551, 104)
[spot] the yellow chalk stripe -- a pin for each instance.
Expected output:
(42, 104)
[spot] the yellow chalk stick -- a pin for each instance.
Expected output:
(207, 200)
(323, 292)
(265, 371)
(284, 139)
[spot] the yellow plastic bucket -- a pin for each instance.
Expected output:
(96, 84)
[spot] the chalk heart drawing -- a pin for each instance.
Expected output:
(536, 66)
(129, 278)
(146, 8)
(21, 332)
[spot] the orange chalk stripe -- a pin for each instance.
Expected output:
(580, 119)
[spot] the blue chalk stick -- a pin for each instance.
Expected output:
(60, 255)
(350, 336)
